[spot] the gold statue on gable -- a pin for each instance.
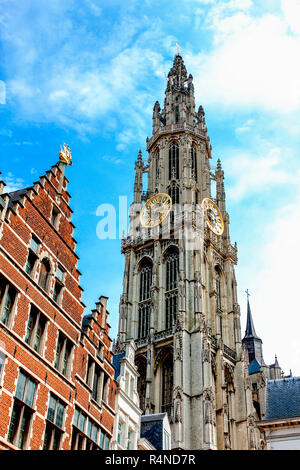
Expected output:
(65, 154)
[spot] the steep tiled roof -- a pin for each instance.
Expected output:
(254, 367)
(250, 330)
(283, 398)
(15, 196)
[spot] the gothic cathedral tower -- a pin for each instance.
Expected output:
(179, 300)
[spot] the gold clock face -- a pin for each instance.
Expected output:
(213, 216)
(156, 210)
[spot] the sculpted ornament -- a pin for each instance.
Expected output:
(227, 442)
(229, 372)
(149, 355)
(117, 349)
(178, 397)
(252, 439)
(213, 364)
(203, 327)
(251, 420)
(179, 322)
(65, 154)
(209, 406)
(206, 351)
(178, 347)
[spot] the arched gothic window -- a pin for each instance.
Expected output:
(194, 161)
(167, 385)
(218, 289)
(44, 274)
(145, 299)
(174, 193)
(172, 271)
(171, 288)
(177, 115)
(157, 164)
(173, 161)
(219, 300)
(145, 281)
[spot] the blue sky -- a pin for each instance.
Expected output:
(88, 73)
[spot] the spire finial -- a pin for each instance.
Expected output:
(178, 48)
(248, 295)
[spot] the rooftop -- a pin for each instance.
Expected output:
(283, 398)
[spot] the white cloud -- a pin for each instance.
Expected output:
(94, 7)
(2, 92)
(252, 174)
(291, 10)
(247, 126)
(113, 159)
(275, 287)
(252, 65)
(13, 183)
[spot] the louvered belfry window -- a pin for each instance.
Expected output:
(194, 161)
(144, 300)
(171, 289)
(173, 161)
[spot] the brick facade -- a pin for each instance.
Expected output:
(56, 376)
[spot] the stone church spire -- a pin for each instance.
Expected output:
(179, 104)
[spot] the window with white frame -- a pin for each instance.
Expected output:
(97, 380)
(63, 355)
(22, 412)
(2, 362)
(8, 295)
(35, 331)
(86, 434)
(32, 255)
(58, 285)
(121, 430)
(54, 424)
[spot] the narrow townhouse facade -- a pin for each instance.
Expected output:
(57, 389)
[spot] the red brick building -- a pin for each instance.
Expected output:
(57, 389)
